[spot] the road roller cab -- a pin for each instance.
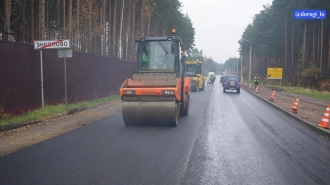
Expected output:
(159, 90)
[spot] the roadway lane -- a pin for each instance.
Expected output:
(246, 141)
(108, 152)
(226, 139)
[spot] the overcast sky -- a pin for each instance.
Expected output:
(219, 24)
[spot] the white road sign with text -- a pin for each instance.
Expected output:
(51, 44)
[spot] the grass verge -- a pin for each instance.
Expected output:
(53, 110)
(294, 90)
(307, 92)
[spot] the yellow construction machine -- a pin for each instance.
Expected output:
(195, 71)
(159, 90)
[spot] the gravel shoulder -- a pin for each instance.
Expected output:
(309, 109)
(19, 138)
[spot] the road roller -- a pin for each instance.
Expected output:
(195, 71)
(159, 90)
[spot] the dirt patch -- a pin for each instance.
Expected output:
(25, 136)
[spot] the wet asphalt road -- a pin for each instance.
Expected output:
(226, 139)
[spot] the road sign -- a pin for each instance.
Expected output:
(51, 44)
(48, 44)
(274, 73)
(64, 53)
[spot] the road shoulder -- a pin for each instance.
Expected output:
(309, 112)
(22, 137)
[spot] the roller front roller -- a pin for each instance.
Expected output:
(151, 112)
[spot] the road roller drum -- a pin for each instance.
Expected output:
(150, 112)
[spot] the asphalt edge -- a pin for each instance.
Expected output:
(12, 126)
(306, 123)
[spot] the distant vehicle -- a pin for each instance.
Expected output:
(232, 82)
(194, 70)
(210, 73)
(222, 79)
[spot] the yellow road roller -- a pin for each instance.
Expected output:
(195, 71)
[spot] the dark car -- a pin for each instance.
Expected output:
(222, 79)
(232, 82)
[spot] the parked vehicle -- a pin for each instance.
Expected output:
(210, 73)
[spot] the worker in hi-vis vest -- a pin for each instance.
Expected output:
(256, 81)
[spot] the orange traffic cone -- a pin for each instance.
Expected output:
(272, 96)
(250, 86)
(256, 91)
(295, 106)
(325, 120)
(244, 85)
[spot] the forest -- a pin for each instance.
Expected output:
(300, 47)
(104, 27)
(110, 27)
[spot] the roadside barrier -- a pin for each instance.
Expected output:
(295, 106)
(325, 120)
(272, 97)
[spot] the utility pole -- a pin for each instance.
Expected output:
(241, 66)
(250, 57)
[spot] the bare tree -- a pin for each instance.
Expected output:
(149, 13)
(7, 10)
(292, 45)
(321, 47)
(133, 30)
(42, 31)
(48, 31)
(109, 30)
(128, 36)
(318, 45)
(77, 27)
(32, 21)
(104, 27)
(114, 28)
(69, 36)
(121, 30)
(304, 47)
(58, 17)
(63, 17)
(89, 25)
(328, 71)
(313, 50)
(142, 18)
(24, 22)
(285, 43)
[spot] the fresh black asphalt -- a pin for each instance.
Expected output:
(227, 138)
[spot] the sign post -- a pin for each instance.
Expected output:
(42, 82)
(65, 90)
(65, 54)
(48, 44)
